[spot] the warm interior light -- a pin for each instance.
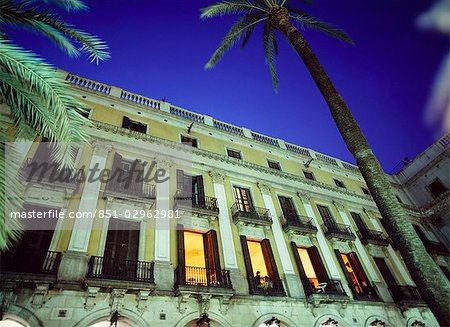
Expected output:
(257, 258)
(306, 263)
(194, 250)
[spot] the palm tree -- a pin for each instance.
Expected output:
(38, 99)
(277, 15)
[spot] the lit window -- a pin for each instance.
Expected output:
(257, 258)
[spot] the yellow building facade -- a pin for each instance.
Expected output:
(241, 229)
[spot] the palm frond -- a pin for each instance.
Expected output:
(307, 20)
(229, 7)
(271, 52)
(68, 5)
(40, 98)
(233, 36)
(51, 26)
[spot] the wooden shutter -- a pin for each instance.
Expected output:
(305, 281)
(212, 257)
(137, 178)
(269, 259)
(287, 206)
(385, 272)
(125, 122)
(318, 265)
(345, 271)
(116, 173)
(247, 260)
(359, 222)
(181, 258)
(201, 191)
(180, 182)
(326, 216)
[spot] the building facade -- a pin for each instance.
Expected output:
(241, 229)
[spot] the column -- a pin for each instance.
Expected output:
(381, 285)
(164, 273)
(291, 281)
(73, 265)
(226, 234)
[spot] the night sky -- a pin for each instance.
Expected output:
(159, 48)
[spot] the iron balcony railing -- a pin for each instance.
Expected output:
(364, 293)
(298, 223)
(372, 236)
(405, 294)
(338, 231)
(130, 270)
(250, 213)
(331, 286)
(204, 277)
(35, 262)
(436, 248)
(195, 201)
(137, 190)
(262, 286)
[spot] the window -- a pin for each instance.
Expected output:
(189, 141)
(274, 164)
(243, 199)
(126, 176)
(398, 199)
(234, 154)
(85, 113)
(309, 175)
(327, 217)
(191, 188)
(365, 191)
(288, 208)
(339, 183)
(359, 221)
(437, 188)
(134, 125)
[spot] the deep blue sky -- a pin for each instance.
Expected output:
(159, 48)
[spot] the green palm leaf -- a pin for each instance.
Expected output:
(271, 52)
(229, 7)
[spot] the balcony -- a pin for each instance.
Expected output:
(101, 268)
(144, 191)
(270, 288)
(298, 224)
(364, 293)
(251, 215)
(202, 277)
(373, 237)
(48, 173)
(333, 288)
(194, 204)
(405, 294)
(36, 265)
(338, 231)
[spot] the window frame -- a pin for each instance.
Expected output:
(437, 179)
(189, 137)
(338, 181)
(365, 190)
(235, 151)
(277, 165)
(311, 173)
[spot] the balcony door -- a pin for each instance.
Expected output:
(356, 277)
(387, 275)
(191, 187)
(243, 199)
(30, 252)
(127, 176)
(362, 227)
(258, 257)
(121, 250)
(327, 218)
(311, 268)
(198, 258)
(288, 208)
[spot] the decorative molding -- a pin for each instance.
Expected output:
(92, 293)
(117, 298)
(100, 148)
(224, 302)
(264, 188)
(305, 240)
(339, 205)
(376, 251)
(217, 176)
(377, 323)
(305, 197)
(183, 302)
(343, 247)
(252, 232)
(204, 301)
(39, 295)
(163, 163)
(142, 300)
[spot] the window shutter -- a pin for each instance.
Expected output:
(125, 122)
(359, 268)
(270, 260)
(318, 265)
(305, 281)
(181, 258)
(247, 261)
(116, 173)
(359, 222)
(345, 271)
(213, 269)
(137, 178)
(201, 191)
(180, 182)
(326, 216)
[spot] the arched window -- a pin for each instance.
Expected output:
(10, 323)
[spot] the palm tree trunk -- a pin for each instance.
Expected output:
(431, 282)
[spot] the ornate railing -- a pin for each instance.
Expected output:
(350, 167)
(339, 231)
(205, 277)
(228, 127)
(405, 294)
(36, 262)
(131, 270)
(88, 84)
(265, 139)
(298, 223)
(326, 159)
(297, 149)
(262, 286)
(195, 201)
(372, 236)
(187, 114)
(139, 99)
(331, 286)
(255, 214)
